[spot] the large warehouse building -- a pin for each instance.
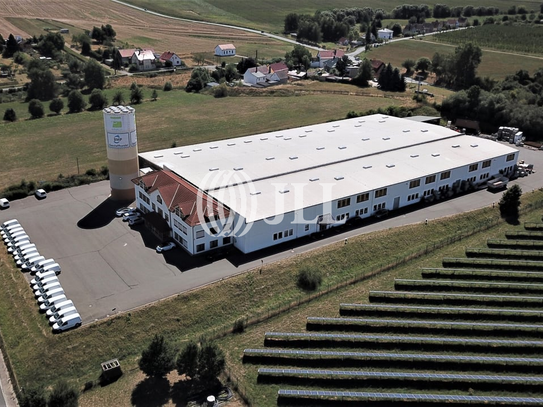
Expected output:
(261, 190)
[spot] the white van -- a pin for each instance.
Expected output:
(64, 312)
(41, 291)
(43, 282)
(4, 203)
(19, 249)
(41, 264)
(50, 294)
(52, 267)
(8, 232)
(40, 275)
(68, 322)
(58, 306)
(15, 235)
(48, 303)
(24, 257)
(31, 261)
(13, 248)
(18, 239)
(9, 223)
(21, 253)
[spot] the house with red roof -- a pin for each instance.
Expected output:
(125, 55)
(327, 57)
(174, 208)
(225, 50)
(171, 57)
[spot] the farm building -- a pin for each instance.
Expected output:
(171, 57)
(385, 34)
(225, 50)
(144, 59)
(258, 191)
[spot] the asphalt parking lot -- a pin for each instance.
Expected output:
(108, 267)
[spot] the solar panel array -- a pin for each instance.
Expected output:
(468, 283)
(452, 295)
(419, 322)
(409, 397)
(439, 309)
(482, 271)
(463, 341)
(402, 375)
(395, 356)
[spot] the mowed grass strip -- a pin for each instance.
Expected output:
(42, 149)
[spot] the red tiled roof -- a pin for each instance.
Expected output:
(127, 53)
(338, 53)
(262, 69)
(376, 64)
(176, 192)
(166, 56)
(278, 66)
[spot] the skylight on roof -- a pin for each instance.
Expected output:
(474, 145)
(424, 130)
(361, 121)
(382, 121)
(256, 193)
(342, 147)
(178, 153)
(279, 136)
(320, 148)
(270, 158)
(414, 155)
(284, 191)
(313, 179)
(335, 125)
(247, 141)
(366, 167)
(214, 169)
(263, 138)
(302, 135)
(196, 149)
(238, 168)
(357, 125)
(391, 165)
(435, 154)
(339, 178)
(213, 147)
(406, 131)
(293, 157)
(287, 138)
(185, 156)
(231, 144)
(308, 131)
(331, 130)
(455, 145)
(158, 156)
(386, 138)
(365, 139)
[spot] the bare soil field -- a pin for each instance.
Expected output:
(134, 27)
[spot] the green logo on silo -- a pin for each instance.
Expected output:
(117, 125)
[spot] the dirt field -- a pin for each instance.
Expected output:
(134, 27)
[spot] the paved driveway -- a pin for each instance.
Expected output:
(107, 267)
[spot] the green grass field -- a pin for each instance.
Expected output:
(270, 16)
(41, 149)
(494, 64)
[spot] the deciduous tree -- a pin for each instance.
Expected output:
(159, 358)
(97, 100)
(35, 108)
(94, 75)
(76, 103)
(56, 105)
(510, 203)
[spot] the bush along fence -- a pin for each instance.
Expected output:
(26, 188)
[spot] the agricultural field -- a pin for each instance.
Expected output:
(270, 16)
(519, 39)
(133, 27)
(53, 145)
(494, 64)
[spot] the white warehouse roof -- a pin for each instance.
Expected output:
(354, 155)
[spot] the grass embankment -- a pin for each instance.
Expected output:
(41, 149)
(76, 355)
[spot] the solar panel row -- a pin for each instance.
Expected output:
(402, 375)
(468, 283)
(464, 341)
(396, 356)
(407, 396)
(440, 309)
(445, 295)
(363, 321)
(481, 271)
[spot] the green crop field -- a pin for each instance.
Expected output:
(494, 64)
(520, 39)
(270, 16)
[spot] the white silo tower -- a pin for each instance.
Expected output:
(122, 150)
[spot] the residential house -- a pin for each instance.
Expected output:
(452, 23)
(225, 50)
(462, 21)
(144, 59)
(255, 76)
(327, 58)
(174, 208)
(377, 66)
(343, 41)
(171, 57)
(126, 55)
(385, 34)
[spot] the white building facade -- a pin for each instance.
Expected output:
(385, 34)
(279, 186)
(225, 50)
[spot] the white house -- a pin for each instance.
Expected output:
(327, 58)
(255, 76)
(170, 56)
(225, 50)
(144, 59)
(269, 188)
(385, 34)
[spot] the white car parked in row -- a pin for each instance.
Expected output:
(40, 193)
(68, 322)
(9, 223)
(58, 306)
(122, 211)
(31, 261)
(13, 248)
(50, 302)
(42, 275)
(53, 319)
(50, 294)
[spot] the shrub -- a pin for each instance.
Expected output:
(97, 100)
(309, 278)
(10, 115)
(159, 357)
(92, 172)
(239, 326)
(63, 395)
(76, 103)
(168, 86)
(56, 105)
(35, 108)
(220, 91)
